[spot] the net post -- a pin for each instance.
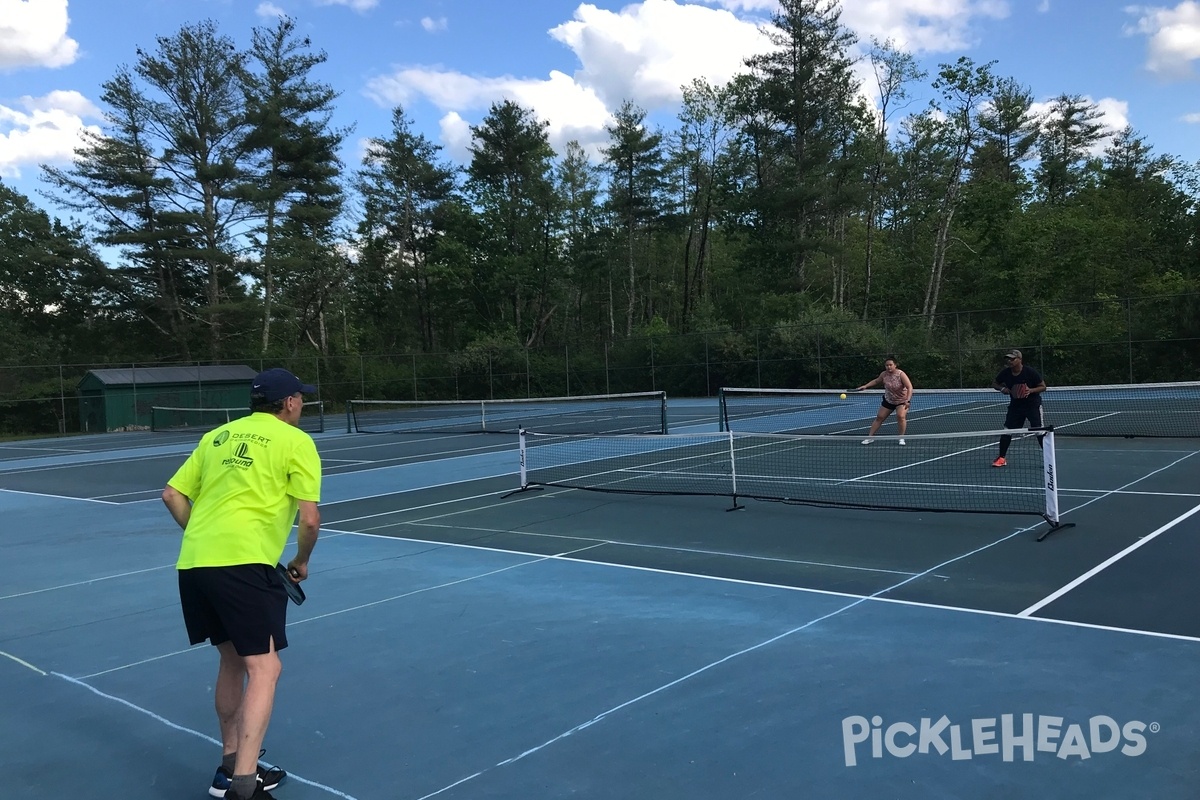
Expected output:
(524, 487)
(483, 426)
(665, 430)
(349, 416)
(521, 448)
(733, 477)
(721, 412)
(1050, 481)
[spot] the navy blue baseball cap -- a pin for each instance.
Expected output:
(276, 384)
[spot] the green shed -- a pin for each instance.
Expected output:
(120, 399)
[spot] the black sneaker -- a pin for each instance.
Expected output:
(259, 794)
(268, 778)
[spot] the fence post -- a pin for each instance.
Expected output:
(1041, 312)
(653, 387)
(62, 403)
(758, 356)
(362, 378)
(567, 365)
(958, 346)
(133, 378)
(820, 374)
(527, 384)
(607, 384)
(1129, 333)
(414, 366)
(707, 378)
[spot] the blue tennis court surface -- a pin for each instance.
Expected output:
(461, 643)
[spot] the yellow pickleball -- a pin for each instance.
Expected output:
(843, 395)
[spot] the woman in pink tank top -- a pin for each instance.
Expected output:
(897, 396)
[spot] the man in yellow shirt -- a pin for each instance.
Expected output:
(236, 498)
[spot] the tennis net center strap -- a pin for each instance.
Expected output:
(931, 472)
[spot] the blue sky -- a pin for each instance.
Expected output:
(446, 61)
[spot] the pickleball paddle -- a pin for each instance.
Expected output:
(294, 590)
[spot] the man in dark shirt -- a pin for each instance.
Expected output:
(1024, 387)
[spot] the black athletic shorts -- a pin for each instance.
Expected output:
(1017, 416)
(893, 406)
(244, 604)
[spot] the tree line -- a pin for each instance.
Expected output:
(214, 217)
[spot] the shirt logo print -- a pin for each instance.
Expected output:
(240, 457)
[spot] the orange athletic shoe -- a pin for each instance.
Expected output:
(999, 462)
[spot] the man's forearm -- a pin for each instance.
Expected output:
(306, 540)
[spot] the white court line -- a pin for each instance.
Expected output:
(789, 588)
(22, 662)
(54, 450)
(175, 726)
(712, 665)
(443, 585)
(1064, 490)
(538, 557)
(534, 559)
(669, 548)
(156, 494)
(1050, 598)
(60, 497)
(5, 468)
(85, 583)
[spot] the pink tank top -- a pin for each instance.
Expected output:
(893, 387)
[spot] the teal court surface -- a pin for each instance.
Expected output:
(461, 641)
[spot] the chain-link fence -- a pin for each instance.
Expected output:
(1138, 340)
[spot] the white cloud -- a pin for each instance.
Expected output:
(456, 136)
(931, 26)
(646, 51)
(430, 24)
(1114, 117)
(1193, 118)
(47, 131)
(1043, 6)
(643, 53)
(357, 5)
(573, 111)
(268, 10)
(34, 34)
(747, 6)
(1174, 37)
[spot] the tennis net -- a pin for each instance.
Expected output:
(168, 418)
(1152, 409)
(635, 412)
(932, 472)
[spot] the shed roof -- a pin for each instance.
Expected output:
(142, 376)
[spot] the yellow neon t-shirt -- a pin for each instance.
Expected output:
(244, 480)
